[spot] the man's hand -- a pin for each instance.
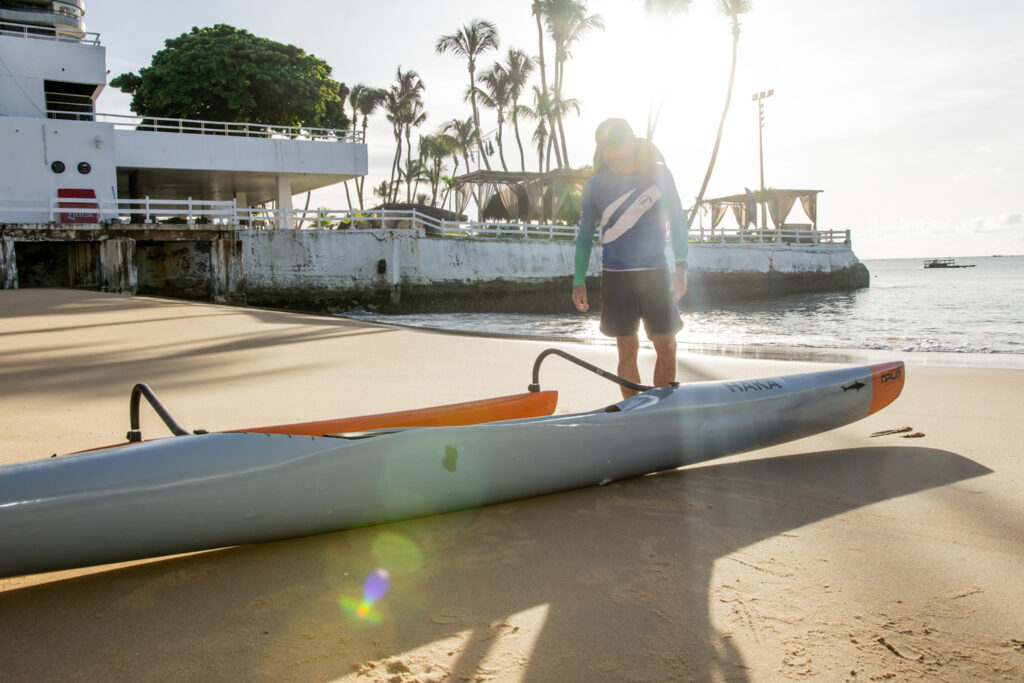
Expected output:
(678, 284)
(579, 298)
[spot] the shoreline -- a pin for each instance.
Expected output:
(853, 554)
(811, 354)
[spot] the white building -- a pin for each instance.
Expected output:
(54, 145)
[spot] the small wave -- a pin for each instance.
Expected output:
(902, 312)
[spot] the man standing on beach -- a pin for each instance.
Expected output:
(631, 198)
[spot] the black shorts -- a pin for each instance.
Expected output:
(629, 296)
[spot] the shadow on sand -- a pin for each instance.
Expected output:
(608, 575)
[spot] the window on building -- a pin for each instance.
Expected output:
(69, 100)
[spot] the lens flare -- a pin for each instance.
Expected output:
(375, 587)
(398, 552)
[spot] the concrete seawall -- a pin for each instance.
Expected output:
(392, 270)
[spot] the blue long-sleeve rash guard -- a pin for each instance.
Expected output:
(632, 210)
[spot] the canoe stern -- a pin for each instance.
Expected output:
(886, 384)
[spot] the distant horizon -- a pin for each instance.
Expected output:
(925, 258)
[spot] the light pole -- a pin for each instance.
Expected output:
(760, 98)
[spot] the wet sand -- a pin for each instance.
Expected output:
(843, 556)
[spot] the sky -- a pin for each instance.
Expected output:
(907, 115)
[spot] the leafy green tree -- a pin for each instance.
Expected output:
(222, 73)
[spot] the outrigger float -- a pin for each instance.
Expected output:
(198, 491)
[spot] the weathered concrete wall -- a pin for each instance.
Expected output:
(400, 270)
(720, 273)
(331, 270)
(117, 269)
(8, 264)
(83, 264)
(315, 269)
(226, 271)
(177, 269)
(397, 270)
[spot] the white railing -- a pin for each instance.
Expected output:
(173, 213)
(325, 219)
(92, 212)
(64, 35)
(788, 234)
(198, 127)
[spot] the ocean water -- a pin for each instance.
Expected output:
(958, 316)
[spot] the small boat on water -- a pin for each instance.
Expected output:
(199, 491)
(945, 263)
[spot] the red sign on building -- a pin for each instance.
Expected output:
(80, 212)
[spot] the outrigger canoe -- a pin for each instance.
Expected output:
(199, 491)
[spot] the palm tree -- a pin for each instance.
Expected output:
(403, 98)
(364, 101)
(382, 191)
(433, 150)
(471, 41)
(540, 138)
(560, 108)
(731, 9)
(517, 113)
(413, 116)
(353, 96)
(537, 8)
(449, 185)
(463, 137)
(542, 134)
(496, 95)
(413, 171)
(567, 22)
(463, 134)
(518, 66)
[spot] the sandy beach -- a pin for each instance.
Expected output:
(843, 556)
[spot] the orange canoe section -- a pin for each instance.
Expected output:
(533, 404)
(886, 384)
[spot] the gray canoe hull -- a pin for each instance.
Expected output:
(207, 491)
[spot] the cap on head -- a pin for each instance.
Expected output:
(613, 133)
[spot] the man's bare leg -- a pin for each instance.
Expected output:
(628, 347)
(665, 364)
